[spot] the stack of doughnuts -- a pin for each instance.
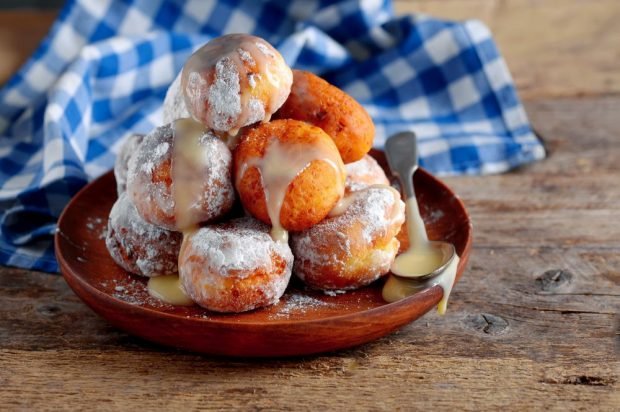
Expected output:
(235, 202)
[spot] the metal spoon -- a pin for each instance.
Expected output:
(402, 156)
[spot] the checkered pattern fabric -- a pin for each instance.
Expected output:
(103, 71)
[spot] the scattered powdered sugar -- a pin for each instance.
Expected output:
(174, 103)
(97, 224)
(296, 303)
(224, 96)
(132, 291)
(334, 292)
(138, 246)
(434, 216)
(129, 147)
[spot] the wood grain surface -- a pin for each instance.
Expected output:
(533, 324)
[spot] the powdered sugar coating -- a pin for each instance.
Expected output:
(352, 249)
(151, 181)
(234, 81)
(363, 173)
(234, 266)
(121, 164)
(138, 246)
(224, 95)
(245, 56)
(265, 49)
(174, 104)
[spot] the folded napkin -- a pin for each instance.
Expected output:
(103, 71)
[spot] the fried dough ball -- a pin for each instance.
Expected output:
(140, 247)
(234, 81)
(305, 156)
(355, 248)
(363, 173)
(181, 176)
(234, 266)
(317, 102)
(121, 164)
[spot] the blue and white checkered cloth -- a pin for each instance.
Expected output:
(103, 71)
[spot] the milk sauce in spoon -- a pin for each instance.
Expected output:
(425, 263)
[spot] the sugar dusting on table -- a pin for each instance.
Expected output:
(97, 225)
(297, 304)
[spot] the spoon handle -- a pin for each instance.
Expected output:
(402, 156)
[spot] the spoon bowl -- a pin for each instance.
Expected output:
(447, 252)
(425, 259)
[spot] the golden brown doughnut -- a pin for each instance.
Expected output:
(312, 193)
(317, 102)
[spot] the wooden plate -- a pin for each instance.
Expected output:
(304, 322)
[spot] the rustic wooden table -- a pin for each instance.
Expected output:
(533, 324)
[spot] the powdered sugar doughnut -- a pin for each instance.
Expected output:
(138, 246)
(354, 248)
(363, 173)
(122, 160)
(181, 176)
(174, 104)
(234, 81)
(234, 266)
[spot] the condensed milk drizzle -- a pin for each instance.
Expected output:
(419, 259)
(168, 288)
(279, 166)
(187, 160)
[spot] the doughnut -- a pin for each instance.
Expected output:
(363, 173)
(138, 246)
(174, 104)
(288, 174)
(317, 102)
(234, 266)
(121, 164)
(180, 176)
(352, 249)
(234, 81)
